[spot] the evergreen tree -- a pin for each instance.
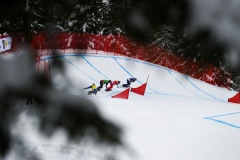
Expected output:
(96, 17)
(32, 16)
(201, 47)
(165, 36)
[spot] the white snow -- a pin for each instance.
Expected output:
(178, 118)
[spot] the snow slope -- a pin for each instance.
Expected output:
(178, 118)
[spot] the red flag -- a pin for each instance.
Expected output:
(235, 99)
(140, 90)
(124, 94)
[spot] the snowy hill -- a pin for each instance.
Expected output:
(178, 118)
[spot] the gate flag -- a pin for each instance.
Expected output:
(124, 94)
(235, 99)
(141, 89)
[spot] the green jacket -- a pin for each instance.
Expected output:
(105, 81)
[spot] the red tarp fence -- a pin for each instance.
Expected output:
(45, 44)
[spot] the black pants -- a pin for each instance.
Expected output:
(29, 100)
(101, 85)
(128, 84)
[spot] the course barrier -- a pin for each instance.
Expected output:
(45, 44)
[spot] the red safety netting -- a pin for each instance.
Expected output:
(45, 44)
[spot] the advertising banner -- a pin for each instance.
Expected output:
(5, 43)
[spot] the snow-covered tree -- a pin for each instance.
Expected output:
(96, 17)
(165, 36)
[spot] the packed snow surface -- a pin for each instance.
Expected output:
(178, 118)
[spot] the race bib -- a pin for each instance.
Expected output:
(5, 43)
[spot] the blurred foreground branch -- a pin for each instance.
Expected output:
(55, 110)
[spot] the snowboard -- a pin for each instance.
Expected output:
(125, 86)
(91, 92)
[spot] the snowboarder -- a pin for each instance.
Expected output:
(102, 82)
(111, 85)
(29, 100)
(129, 81)
(94, 89)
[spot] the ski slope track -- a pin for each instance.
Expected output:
(178, 118)
(88, 69)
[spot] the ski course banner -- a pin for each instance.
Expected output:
(5, 43)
